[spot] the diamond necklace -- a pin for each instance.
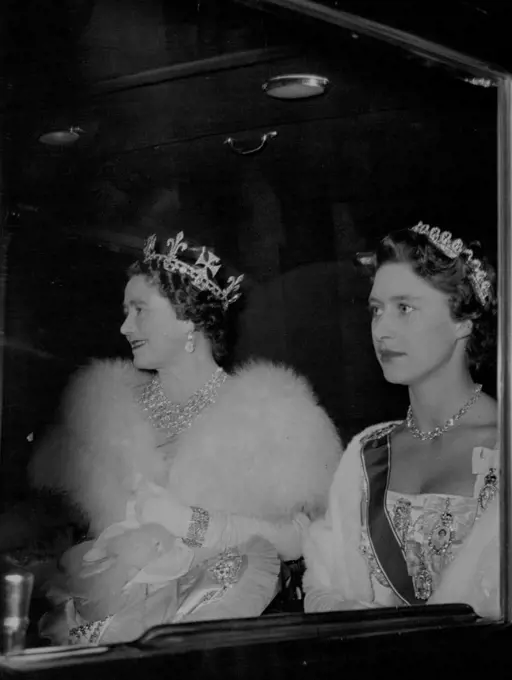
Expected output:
(451, 422)
(174, 418)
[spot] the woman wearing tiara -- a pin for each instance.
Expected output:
(195, 483)
(413, 509)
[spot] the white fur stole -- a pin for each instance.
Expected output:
(264, 449)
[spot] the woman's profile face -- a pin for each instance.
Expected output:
(155, 335)
(413, 332)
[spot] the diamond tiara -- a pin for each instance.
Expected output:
(202, 273)
(454, 248)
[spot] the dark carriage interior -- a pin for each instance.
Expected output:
(156, 89)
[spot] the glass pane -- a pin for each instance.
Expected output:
(102, 41)
(296, 196)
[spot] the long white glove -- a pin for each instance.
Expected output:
(286, 536)
(219, 529)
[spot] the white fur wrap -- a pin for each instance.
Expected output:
(264, 449)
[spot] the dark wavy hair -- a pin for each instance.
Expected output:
(450, 276)
(201, 307)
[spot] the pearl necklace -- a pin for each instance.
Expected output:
(451, 422)
(174, 418)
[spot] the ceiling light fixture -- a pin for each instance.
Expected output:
(61, 137)
(296, 86)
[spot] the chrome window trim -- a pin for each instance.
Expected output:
(504, 149)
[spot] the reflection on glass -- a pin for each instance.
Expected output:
(168, 495)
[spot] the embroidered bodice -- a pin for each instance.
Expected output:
(430, 528)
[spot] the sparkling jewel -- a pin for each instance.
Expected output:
(201, 274)
(423, 584)
(175, 418)
(226, 570)
(197, 528)
(451, 422)
(88, 633)
(489, 489)
(454, 248)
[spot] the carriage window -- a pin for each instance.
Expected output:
(230, 256)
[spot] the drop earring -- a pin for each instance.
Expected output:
(189, 345)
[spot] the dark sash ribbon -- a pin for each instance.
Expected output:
(386, 546)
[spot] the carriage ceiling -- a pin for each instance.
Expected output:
(157, 85)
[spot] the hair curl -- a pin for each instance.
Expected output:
(201, 307)
(450, 276)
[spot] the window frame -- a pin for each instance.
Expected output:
(285, 628)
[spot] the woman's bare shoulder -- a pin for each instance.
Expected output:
(482, 424)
